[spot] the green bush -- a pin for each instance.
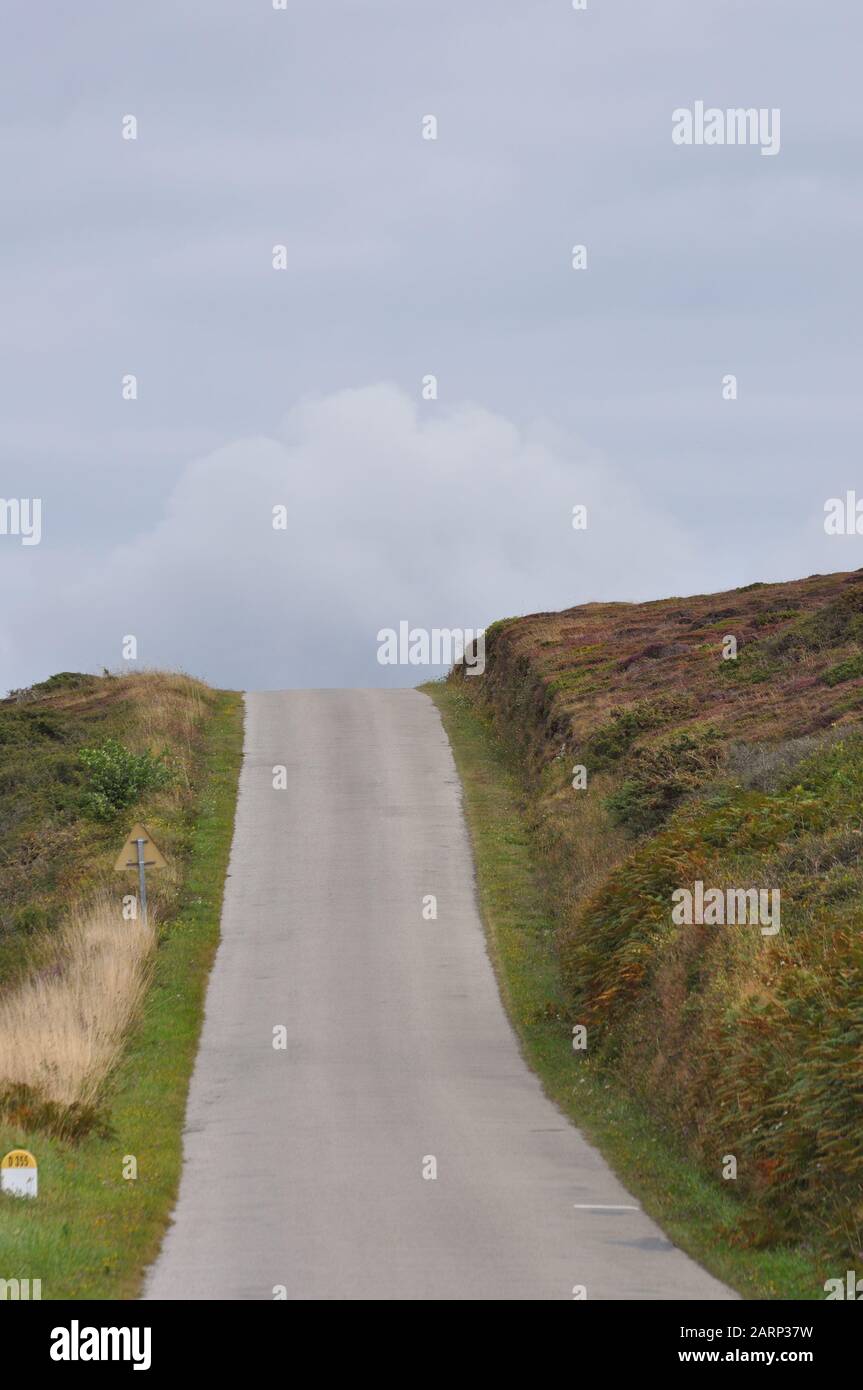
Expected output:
(844, 671)
(613, 740)
(661, 775)
(29, 919)
(117, 777)
(774, 615)
(833, 625)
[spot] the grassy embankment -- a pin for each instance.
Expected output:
(102, 1024)
(703, 1041)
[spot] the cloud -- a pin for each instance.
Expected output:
(396, 510)
(407, 256)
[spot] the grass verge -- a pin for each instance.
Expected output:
(93, 1230)
(700, 1216)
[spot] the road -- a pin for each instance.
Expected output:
(303, 1165)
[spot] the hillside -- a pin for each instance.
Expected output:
(56, 842)
(744, 1040)
(100, 1011)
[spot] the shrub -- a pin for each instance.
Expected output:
(661, 776)
(836, 623)
(844, 671)
(63, 680)
(613, 740)
(774, 615)
(29, 918)
(117, 777)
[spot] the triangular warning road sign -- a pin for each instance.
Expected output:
(128, 856)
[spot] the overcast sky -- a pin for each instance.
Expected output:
(302, 387)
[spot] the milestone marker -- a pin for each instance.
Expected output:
(19, 1175)
(140, 852)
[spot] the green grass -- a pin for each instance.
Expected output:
(91, 1232)
(704, 1217)
(55, 851)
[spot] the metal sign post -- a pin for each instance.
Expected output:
(134, 856)
(142, 878)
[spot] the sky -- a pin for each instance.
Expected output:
(406, 257)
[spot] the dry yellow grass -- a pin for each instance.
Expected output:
(170, 705)
(161, 705)
(62, 1030)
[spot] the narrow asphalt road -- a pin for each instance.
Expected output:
(304, 1164)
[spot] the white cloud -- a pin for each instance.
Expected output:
(396, 510)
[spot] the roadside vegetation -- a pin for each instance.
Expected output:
(99, 1015)
(61, 1030)
(741, 773)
